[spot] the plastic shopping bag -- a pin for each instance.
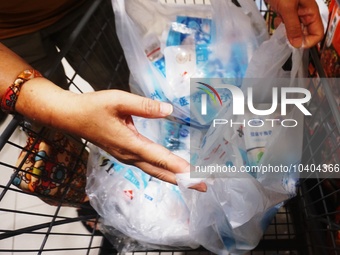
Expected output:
(166, 45)
(138, 211)
(272, 64)
(240, 202)
(249, 168)
(143, 208)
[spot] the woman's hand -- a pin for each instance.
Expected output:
(104, 118)
(302, 20)
(107, 122)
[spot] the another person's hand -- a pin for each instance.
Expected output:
(302, 20)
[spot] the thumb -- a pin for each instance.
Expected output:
(293, 28)
(132, 104)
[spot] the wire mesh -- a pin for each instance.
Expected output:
(41, 223)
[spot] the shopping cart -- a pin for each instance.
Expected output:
(39, 224)
(29, 225)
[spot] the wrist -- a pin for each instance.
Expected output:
(11, 95)
(42, 101)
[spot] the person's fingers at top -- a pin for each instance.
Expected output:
(166, 175)
(313, 27)
(288, 11)
(131, 104)
(157, 172)
(159, 156)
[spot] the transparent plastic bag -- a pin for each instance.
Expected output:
(139, 212)
(232, 215)
(249, 168)
(273, 62)
(131, 202)
(165, 45)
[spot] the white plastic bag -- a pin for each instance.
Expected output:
(166, 45)
(143, 208)
(245, 191)
(138, 211)
(232, 215)
(272, 64)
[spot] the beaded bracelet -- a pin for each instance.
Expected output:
(11, 95)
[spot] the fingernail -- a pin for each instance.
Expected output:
(166, 109)
(296, 42)
(202, 187)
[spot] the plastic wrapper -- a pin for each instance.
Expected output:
(166, 45)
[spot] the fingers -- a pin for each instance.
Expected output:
(313, 28)
(163, 164)
(199, 187)
(167, 176)
(161, 157)
(288, 11)
(141, 106)
(157, 172)
(151, 157)
(294, 32)
(302, 21)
